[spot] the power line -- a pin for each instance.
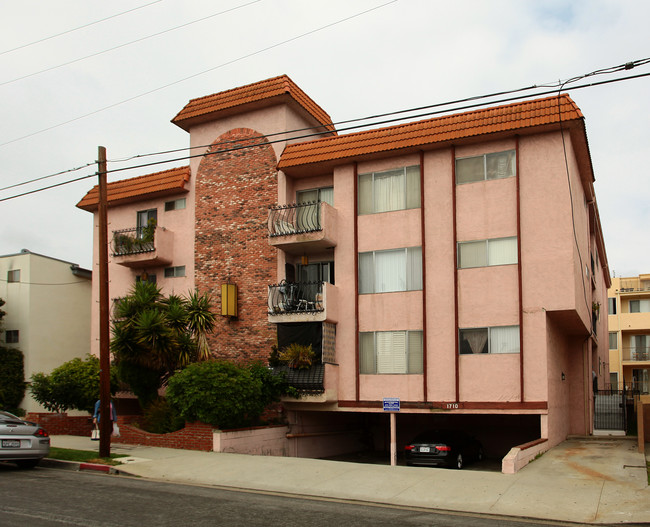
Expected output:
(613, 69)
(46, 177)
(559, 84)
(125, 44)
(77, 28)
(48, 187)
(197, 74)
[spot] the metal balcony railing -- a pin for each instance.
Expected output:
(134, 241)
(634, 285)
(296, 218)
(295, 297)
(638, 354)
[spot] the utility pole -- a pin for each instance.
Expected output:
(105, 425)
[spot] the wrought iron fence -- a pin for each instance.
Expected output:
(610, 410)
(296, 218)
(134, 241)
(292, 297)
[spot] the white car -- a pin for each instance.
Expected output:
(22, 442)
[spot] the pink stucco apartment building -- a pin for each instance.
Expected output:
(456, 264)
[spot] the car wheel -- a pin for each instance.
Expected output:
(27, 463)
(459, 461)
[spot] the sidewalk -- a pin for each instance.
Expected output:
(582, 480)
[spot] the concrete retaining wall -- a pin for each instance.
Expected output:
(521, 455)
(264, 441)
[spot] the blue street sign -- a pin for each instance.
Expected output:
(391, 404)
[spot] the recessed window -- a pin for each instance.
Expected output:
(13, 275)
(12, 336)
(613, 340)
(639, 306)
(611, 306)
(176, 204)
(487, 166)
(174, 272)
(146, 222)
(384, 352)
(397, 189)
(498, 339)
(390, 271)
(146, 277)
(482, 253)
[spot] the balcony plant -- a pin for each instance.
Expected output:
(297, 356)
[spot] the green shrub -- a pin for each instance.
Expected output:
(72, 386)
(219, 393)
(12, 379)
(161, 418)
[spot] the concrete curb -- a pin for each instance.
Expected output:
(77, 466)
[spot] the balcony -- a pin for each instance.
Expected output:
(638, 354)
(304, 227)
(635, 285)
(142, 246)
(302, 302)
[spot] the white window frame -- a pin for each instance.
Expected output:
(488, 175)
(391, 352)
(490, 258)
(643, 306)
(408, 279)
(175, 204)
(611, 306)
(411, 197)
(490, 340)
(174, 272)
(13, 276)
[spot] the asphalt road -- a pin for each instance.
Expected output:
(45, 497)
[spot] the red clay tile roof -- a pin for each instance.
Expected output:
(198, 110)
(449, 128)
(163, 183)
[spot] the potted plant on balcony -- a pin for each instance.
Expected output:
(123, 244)
(297, 356)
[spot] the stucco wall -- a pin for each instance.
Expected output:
(50, 307)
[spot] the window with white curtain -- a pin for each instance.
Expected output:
(390, 271)
(639, 306)
(497, 339)
(385, 352)
(485, 167)
(481, 253)
(396, 189)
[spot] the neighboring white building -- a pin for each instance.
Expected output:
(48, 312)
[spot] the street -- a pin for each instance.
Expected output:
(46, 497)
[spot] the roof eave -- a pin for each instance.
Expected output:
(94, 206)
(262, 103)
(295, 169)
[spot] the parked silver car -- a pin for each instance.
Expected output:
(22, 442)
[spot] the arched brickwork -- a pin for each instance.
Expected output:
(233, 191)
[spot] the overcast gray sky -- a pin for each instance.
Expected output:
(354, 58)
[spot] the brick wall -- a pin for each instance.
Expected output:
(233, 192)
(62, 424)
(195, 436)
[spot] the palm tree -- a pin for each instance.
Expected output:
(154, 336)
